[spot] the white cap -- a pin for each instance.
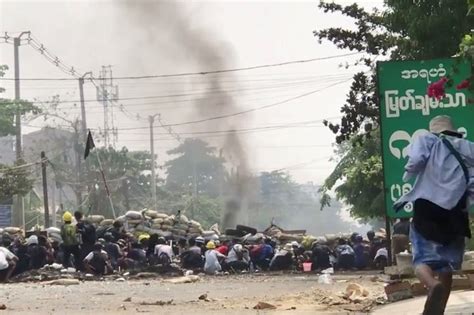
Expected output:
(33, 239)
(442, 123)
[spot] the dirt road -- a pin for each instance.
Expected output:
(292, 294)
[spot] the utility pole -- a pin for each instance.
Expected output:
(45, 189)
(151, 120)
(16, 57)
(83, 107)
(107, 92)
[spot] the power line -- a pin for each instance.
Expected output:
(205, 92)
(257, 108)
(201, 72)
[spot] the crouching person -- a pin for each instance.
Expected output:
(8, 262)
(97, 262)
(238, 259)
(212, 256)
(283, 259)
(163, 252)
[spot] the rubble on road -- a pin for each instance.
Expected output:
(264, 306)
(185, 279)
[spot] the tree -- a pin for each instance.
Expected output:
(196, 168)
(360, 168)
(14, 180)
(403, 30)
(128, 179)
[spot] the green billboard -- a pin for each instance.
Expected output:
(406, 110)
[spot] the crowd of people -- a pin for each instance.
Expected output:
(97, 252)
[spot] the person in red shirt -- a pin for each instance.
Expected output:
(224, 248)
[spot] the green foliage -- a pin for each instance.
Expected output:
(14, 181)
(360, 171)
(402, 30)
(196, 165)
(128, 178)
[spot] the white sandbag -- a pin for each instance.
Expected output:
(166, 227)
(12, 230)
(156, 226)
(1, 231)
(157, 221)
(121, 219)
(133, 215)
(53, 229)
(208, 233)
(95, 218)
(134, 221)
(330, 237)
(162, 216)
(54, 234)
(194, 224)
(215, 228)
(107, 222)
(151, 213)
(195, 231)
(183, 219)
(168, 221)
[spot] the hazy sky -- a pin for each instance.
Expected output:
(160, 37)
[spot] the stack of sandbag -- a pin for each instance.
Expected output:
(13, 232)
(107, 222)
(133, 219)
(95, 219)
(54, 234)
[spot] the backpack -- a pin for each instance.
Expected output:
(68, 234)
(88, 233)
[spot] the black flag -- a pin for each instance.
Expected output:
(89, 145)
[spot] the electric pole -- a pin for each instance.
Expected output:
(45, 189)
(83, 107)
(16, 57)
(151, 120)
(107, 92)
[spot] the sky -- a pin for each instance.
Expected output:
(140, 38)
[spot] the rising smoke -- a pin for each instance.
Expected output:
(171, 32)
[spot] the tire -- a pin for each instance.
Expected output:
(246, 229)
(232, 232)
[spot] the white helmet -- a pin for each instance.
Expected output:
(199, 239)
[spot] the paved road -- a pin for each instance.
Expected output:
(460, 303)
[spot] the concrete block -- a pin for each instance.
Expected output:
(398, 291)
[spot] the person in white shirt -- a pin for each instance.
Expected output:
(163, 251)
(98, 261)
(8, 262)
(238, 258)
(212, 256)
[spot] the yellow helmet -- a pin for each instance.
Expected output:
(143, 237)
(67, 216)
(210, 245)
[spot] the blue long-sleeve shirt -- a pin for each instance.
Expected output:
(439, 176)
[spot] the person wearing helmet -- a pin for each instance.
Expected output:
(238, 259)
(97, 261)
(196, 245)
(37, 254)
(70, 242)
(213, 257)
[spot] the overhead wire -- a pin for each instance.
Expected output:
(200, 73)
